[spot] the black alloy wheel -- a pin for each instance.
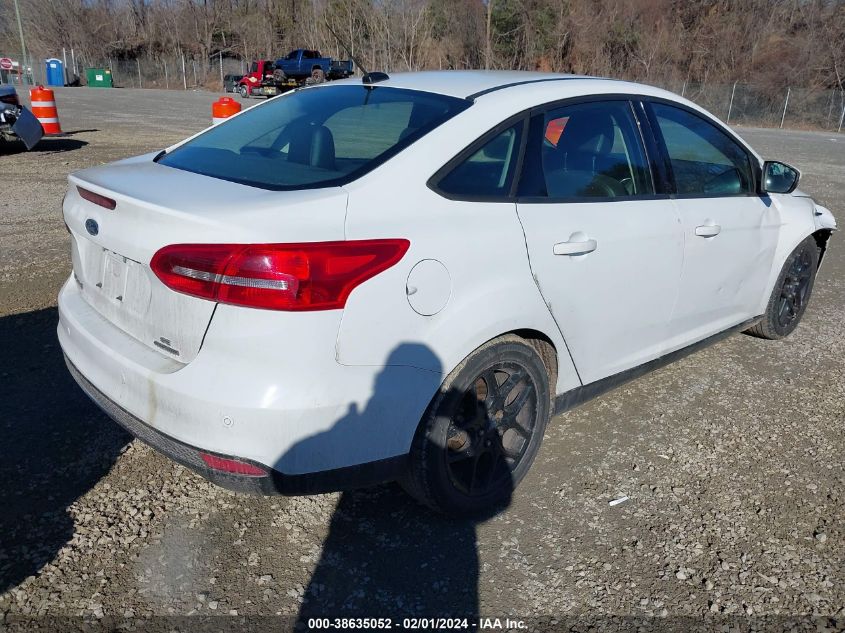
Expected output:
(791, 293)
(491, 429)
(483, 428)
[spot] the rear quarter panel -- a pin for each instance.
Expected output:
(481, 245)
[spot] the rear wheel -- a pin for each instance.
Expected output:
(791, 293)
(482, 431)
(318, 76)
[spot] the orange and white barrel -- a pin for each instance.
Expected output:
(44, 108)
(223, 108)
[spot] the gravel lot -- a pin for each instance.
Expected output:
(732, 459)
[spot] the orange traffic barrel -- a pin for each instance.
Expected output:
(223, 108)
(44, 108)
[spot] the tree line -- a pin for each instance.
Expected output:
(767, 42)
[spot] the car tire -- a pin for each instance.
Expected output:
(791, 293)
(475, 444)
(244, 92)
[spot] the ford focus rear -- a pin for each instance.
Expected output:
(404, 278)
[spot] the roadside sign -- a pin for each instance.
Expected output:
(6, 63)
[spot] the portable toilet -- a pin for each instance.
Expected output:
(55, 72)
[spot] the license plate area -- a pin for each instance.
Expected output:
(115, 271)
(112, 283)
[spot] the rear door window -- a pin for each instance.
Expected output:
(586, 151)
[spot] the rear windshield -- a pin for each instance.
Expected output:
(316, 137)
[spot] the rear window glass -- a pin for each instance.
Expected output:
(317, 137)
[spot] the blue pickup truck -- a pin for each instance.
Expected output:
(301, 64)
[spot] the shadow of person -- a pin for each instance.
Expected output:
(55, 446)
(387, 555)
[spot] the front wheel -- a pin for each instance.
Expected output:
(243, 91)
(791, 293)
(482, 430)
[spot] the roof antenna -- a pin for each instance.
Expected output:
(345, 47)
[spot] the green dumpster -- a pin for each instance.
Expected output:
(98, 77)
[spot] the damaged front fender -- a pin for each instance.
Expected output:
(823, 218)
(22, 124)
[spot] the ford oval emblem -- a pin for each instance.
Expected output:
(91, 226)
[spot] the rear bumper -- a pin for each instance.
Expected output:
(264, 389)
(275, 483)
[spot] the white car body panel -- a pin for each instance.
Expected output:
(491, 277)
(724, 275)
(258, 389)
(182, 208)
(797, 221)
(309, 392)
(597, 303)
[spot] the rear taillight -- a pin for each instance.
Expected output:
(11, 99)
(96, 198)
(233, 466)
(295, 277)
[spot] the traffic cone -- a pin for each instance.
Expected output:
(44, 109)
(223, 108)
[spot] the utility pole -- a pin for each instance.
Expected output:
(731, 104)
(184, 78)
(22, 66)
(488, 53)
(785, 103)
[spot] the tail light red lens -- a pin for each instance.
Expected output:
(294, 277)
(234, 466)
(96, 198)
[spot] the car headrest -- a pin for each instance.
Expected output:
(312, 145)
(588, 132)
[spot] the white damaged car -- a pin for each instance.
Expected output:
(404, 278)
(16, 121)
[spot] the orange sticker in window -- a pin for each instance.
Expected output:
(554, 129)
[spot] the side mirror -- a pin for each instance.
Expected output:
(779, 177)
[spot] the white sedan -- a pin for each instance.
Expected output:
(403, 278)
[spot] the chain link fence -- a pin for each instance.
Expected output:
(171, 72)
(737, 103)
(753, 105)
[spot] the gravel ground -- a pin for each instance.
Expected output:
(731, 459)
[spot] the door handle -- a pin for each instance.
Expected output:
(575, 248)
(708, 230)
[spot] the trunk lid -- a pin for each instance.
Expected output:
(159, 205)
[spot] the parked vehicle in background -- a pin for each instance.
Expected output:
(404, 278)
(301, 64)
(16, 121)
(260, 81)
(267, 78)
(230, 82)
